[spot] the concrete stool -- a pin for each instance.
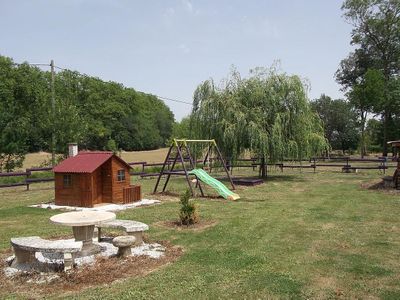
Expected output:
(124, 244)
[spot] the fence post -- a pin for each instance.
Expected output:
(315, 166)
(28, 173)
(383, 163)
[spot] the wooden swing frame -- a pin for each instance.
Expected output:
(180, 145)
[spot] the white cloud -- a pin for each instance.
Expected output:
(168, 17)
(270, 29)
(184, 48)
(170, 11)
(261, 27)
(188, 5)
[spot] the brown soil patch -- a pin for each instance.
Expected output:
(325, 282)
(5, 253)
(323, 285)
(165, 196)
(328, 226)
(104, 271)
(378, 185)
(200, 226)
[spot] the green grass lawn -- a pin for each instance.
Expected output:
(299, 235)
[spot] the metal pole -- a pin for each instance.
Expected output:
(53, 111)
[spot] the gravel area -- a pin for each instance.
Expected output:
(105, 207)
(55, 261)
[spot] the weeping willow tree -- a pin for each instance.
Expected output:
(267, 114)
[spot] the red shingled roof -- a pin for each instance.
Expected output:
(85, 162)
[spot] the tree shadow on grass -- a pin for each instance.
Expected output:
(283, 178)
(274, 178)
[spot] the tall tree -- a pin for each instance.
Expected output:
(268, 114)
(181, 129)
(377, 33)
(340, 122)
(368, 95)
(23, 112)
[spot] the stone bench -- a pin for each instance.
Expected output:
(26, 247)
(133, 228)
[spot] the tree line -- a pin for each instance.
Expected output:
(267, 114)
(369, 117)
(369, 75)
(98, 115)
(261, 113)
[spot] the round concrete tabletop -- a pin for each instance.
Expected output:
(82, 218)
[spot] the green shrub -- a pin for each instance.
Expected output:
(42, 174)
(189, 211)
(375, 148)
(12, 179)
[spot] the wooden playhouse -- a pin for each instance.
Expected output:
(91, 178)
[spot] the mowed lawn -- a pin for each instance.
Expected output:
(299, 235)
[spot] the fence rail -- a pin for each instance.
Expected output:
(314, 163)
(253, 163)
(28, 180)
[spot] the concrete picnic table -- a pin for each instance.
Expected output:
(83, 223)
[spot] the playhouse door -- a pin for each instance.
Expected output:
(97, 190)
(86, 191)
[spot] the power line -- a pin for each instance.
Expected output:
(31, 64)
(63, 69)
(160, 97)
(39, 64)
(57, 67)
(174, 100)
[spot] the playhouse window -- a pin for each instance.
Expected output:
(121, 175)
(67, 180)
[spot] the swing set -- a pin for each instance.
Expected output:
(181, 153)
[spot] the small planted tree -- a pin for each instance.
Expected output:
(189, 211)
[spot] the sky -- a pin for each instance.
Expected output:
(168, 47)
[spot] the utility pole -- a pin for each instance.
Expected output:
(53, 112)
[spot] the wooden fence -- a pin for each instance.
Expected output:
(131, 194)
(28, 180)
(346, 164)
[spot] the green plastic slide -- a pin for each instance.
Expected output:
(215, 184)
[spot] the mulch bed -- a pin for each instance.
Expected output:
(104, 271)
(201, 225)
(174, 197)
